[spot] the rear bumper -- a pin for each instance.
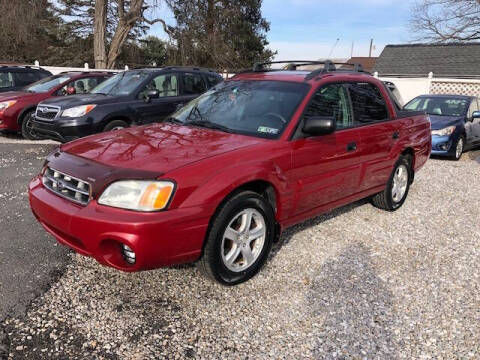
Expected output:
(64, 131)
(158, 239)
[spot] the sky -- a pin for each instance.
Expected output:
(309, 29)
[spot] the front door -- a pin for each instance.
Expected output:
(156, 110)
(326, 168)
(472, 126)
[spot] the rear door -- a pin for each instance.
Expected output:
(326, 168)
(378, 132)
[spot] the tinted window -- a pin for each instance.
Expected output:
(213, 80)
(368, 103)
(6, 80)
(193, 84)
(258, 108)
(24, 78)
(166, 84)
(83, 86)
(331, 101)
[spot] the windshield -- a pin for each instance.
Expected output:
(258, 108)
(441, 106)
(121, 84)
(47, 84)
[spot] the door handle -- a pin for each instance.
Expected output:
(352, 146)
(395, 135)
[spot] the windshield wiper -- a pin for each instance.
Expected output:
(209, 125)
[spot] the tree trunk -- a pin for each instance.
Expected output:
(100, 27)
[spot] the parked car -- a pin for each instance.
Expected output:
(222, 177)
(14, 78)
(18, 107)
(455, 122)
(130, 98)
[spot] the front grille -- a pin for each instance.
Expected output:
(46, 112)
(66, 186)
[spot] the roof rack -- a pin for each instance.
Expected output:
(21, 66)
(328, 66)
(172, 67)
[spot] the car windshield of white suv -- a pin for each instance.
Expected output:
(440, 106)
(121, 84)
(258, 108)
(47, 84)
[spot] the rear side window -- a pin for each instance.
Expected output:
(6, 80)
(193, 84)
(24, 78)
(331, 101)
(212, 80)
(368, 103)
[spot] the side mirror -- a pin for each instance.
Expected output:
(71, 90)
(476, 115)
(319, 125)
(152, 94)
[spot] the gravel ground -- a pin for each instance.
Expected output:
(358, 283)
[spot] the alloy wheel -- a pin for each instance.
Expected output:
(243, 240)
(400, 183)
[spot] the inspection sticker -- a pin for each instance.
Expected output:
(267, 130)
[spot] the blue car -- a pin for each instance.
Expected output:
(455, 122)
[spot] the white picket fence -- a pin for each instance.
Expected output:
(411, 87)
(57, 69)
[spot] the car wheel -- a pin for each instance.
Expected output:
(396, 191)
(239, 240)
(115, 125)
(459, 147)
(26, 126)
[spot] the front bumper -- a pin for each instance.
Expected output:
(158, 239)
(64, 130)
(443, 145)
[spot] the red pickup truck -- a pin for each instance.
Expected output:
(218, 181)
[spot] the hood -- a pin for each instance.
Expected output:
(157, 148)
(440, 122)
(15, 95)
(66, 102)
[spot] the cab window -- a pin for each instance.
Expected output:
(368, 104)
(331, 101)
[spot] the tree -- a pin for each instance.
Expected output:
(447, 20)
(154, 51)
(112, 23)
(222, 34)
(28, 29)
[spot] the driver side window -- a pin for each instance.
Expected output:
(331, 101)
(166, 84)
(473, 107)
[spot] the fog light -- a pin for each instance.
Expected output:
(444, 146)
(128, 254)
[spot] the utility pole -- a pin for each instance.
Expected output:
(351, 53)
(371, 47)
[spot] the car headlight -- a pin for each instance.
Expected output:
(138, 195)
(6, 104)
(78, 111)
(445, 131)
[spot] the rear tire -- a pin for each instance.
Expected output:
(115, 125)
(396, 191)
(26, 126)
(239, 240)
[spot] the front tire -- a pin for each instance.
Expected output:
(115, 125)
(396, 191)
(26, 126)
(239, 240)
(459, 148)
